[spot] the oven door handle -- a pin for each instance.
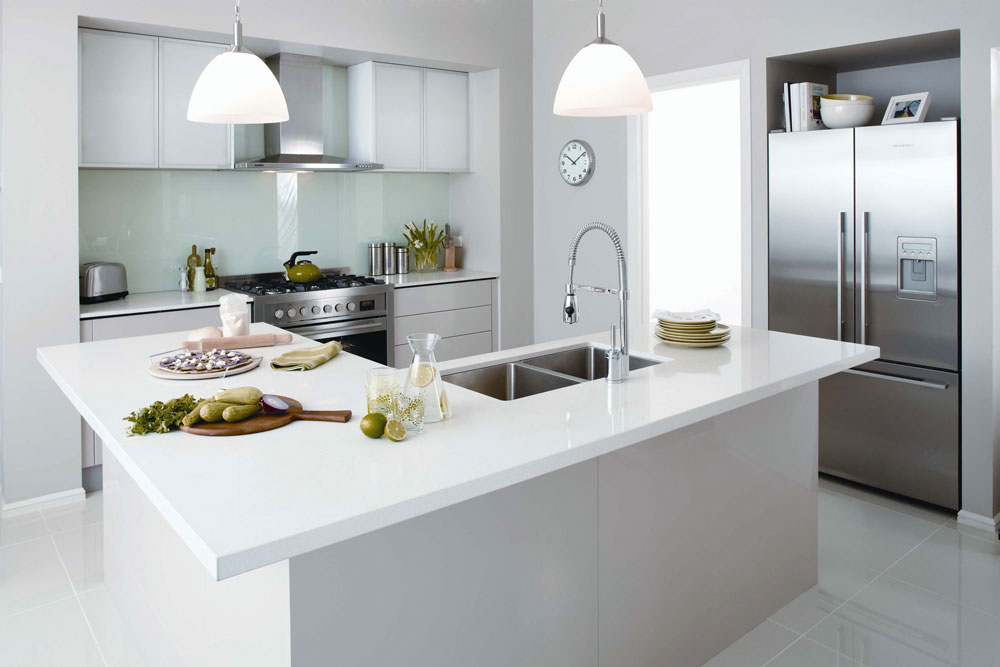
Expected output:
(340, 328)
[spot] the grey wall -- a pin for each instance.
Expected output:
(941, 77)
(40, 138)
(668, 36)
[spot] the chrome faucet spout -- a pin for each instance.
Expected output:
(618, 355)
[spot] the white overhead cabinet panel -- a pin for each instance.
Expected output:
(183, 143)
(446, 120)
(408, 118)
(134, 92)
(118, 99)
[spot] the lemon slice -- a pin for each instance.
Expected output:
(422, 375)
(394, 430)
(445, 407)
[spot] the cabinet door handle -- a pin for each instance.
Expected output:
(896, 378)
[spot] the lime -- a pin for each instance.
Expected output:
(394, 430)
(422, 375)
(373, 425)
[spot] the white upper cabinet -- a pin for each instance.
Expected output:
(118, 99)
(408, 118)
(446, 120)
(134, 92)
(184, 144)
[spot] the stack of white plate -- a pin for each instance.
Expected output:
(696, 329)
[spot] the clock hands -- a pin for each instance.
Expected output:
(577, 157)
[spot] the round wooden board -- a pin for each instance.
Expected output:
(261, 422)
(156, 371)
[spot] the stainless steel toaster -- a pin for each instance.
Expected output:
(102, 281)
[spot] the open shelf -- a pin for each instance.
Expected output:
(881, 69)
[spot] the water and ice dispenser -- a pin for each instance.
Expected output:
(916, 259)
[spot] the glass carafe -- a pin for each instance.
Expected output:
(423, 376)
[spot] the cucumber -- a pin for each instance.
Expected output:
(193, 417)
(237, 413)
(240, 396)
(212, 411)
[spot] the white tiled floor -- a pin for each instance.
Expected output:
(899, 585)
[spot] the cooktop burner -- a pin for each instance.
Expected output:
(266, 284)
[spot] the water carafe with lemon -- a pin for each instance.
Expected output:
(423, 377)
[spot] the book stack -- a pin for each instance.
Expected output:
(801, 104)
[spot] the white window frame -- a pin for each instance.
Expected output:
(638, 185)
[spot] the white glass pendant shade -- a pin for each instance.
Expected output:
(602, 80)
(237, 87)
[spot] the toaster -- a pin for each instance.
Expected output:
(102, 281)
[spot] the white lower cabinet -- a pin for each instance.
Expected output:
(145, 324)
(464, 315)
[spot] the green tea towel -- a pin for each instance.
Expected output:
(306, 358)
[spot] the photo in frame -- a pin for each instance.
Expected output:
(911, 108)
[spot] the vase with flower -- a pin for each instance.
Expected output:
(426, 243)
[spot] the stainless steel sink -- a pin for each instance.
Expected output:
(517, 379)
(586, 362)
(508, 382)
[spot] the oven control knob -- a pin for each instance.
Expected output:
(304, 311)
(339, 307)
(292, 312)
(351, 306)
(278, 314)
(327, 308)
(316, 310)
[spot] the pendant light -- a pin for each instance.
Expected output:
(602, 80)
(237, 87)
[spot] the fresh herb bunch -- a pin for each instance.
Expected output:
(161, 417)
(425, 243)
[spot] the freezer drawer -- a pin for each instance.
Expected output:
(893, 427)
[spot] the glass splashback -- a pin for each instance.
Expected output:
(148, 220)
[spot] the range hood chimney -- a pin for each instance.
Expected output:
(297, 144)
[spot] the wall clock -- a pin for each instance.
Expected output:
(576, 162)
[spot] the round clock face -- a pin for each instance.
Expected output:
(576, 162)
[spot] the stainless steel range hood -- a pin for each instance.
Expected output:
(297, 144)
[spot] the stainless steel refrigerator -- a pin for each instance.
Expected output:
(863, 247)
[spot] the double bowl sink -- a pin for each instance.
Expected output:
(512, 380)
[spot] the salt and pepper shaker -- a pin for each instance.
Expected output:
(182, 283)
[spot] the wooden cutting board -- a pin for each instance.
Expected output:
(262, 423)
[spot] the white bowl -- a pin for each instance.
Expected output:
(846, 115)
(834, 100)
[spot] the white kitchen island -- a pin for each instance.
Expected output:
(648, 523)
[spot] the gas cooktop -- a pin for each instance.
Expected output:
(264, 284)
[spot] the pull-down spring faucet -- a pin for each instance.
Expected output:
(618, 354)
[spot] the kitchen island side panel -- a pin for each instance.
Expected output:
(509, 578)
(707, 531)
(176, 611)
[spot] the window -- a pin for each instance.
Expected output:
(691, 176)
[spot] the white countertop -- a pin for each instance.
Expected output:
(244, 502)
(153, 302)
(413, 278)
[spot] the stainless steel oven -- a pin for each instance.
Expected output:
(354, 310)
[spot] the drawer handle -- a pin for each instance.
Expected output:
(895, 378)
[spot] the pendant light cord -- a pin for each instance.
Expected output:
(600, 22)
(237, 31)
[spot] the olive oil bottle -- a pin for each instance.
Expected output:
(193, 262)
(211, 280)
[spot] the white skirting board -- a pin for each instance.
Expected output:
(974, 520)
(60, 498)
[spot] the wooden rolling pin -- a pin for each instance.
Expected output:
(238, 342)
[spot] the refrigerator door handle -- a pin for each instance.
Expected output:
(896, 378)
(865, 269)
(842, 223)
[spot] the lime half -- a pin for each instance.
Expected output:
(394, 430)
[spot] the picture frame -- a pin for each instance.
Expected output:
(910, 108)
